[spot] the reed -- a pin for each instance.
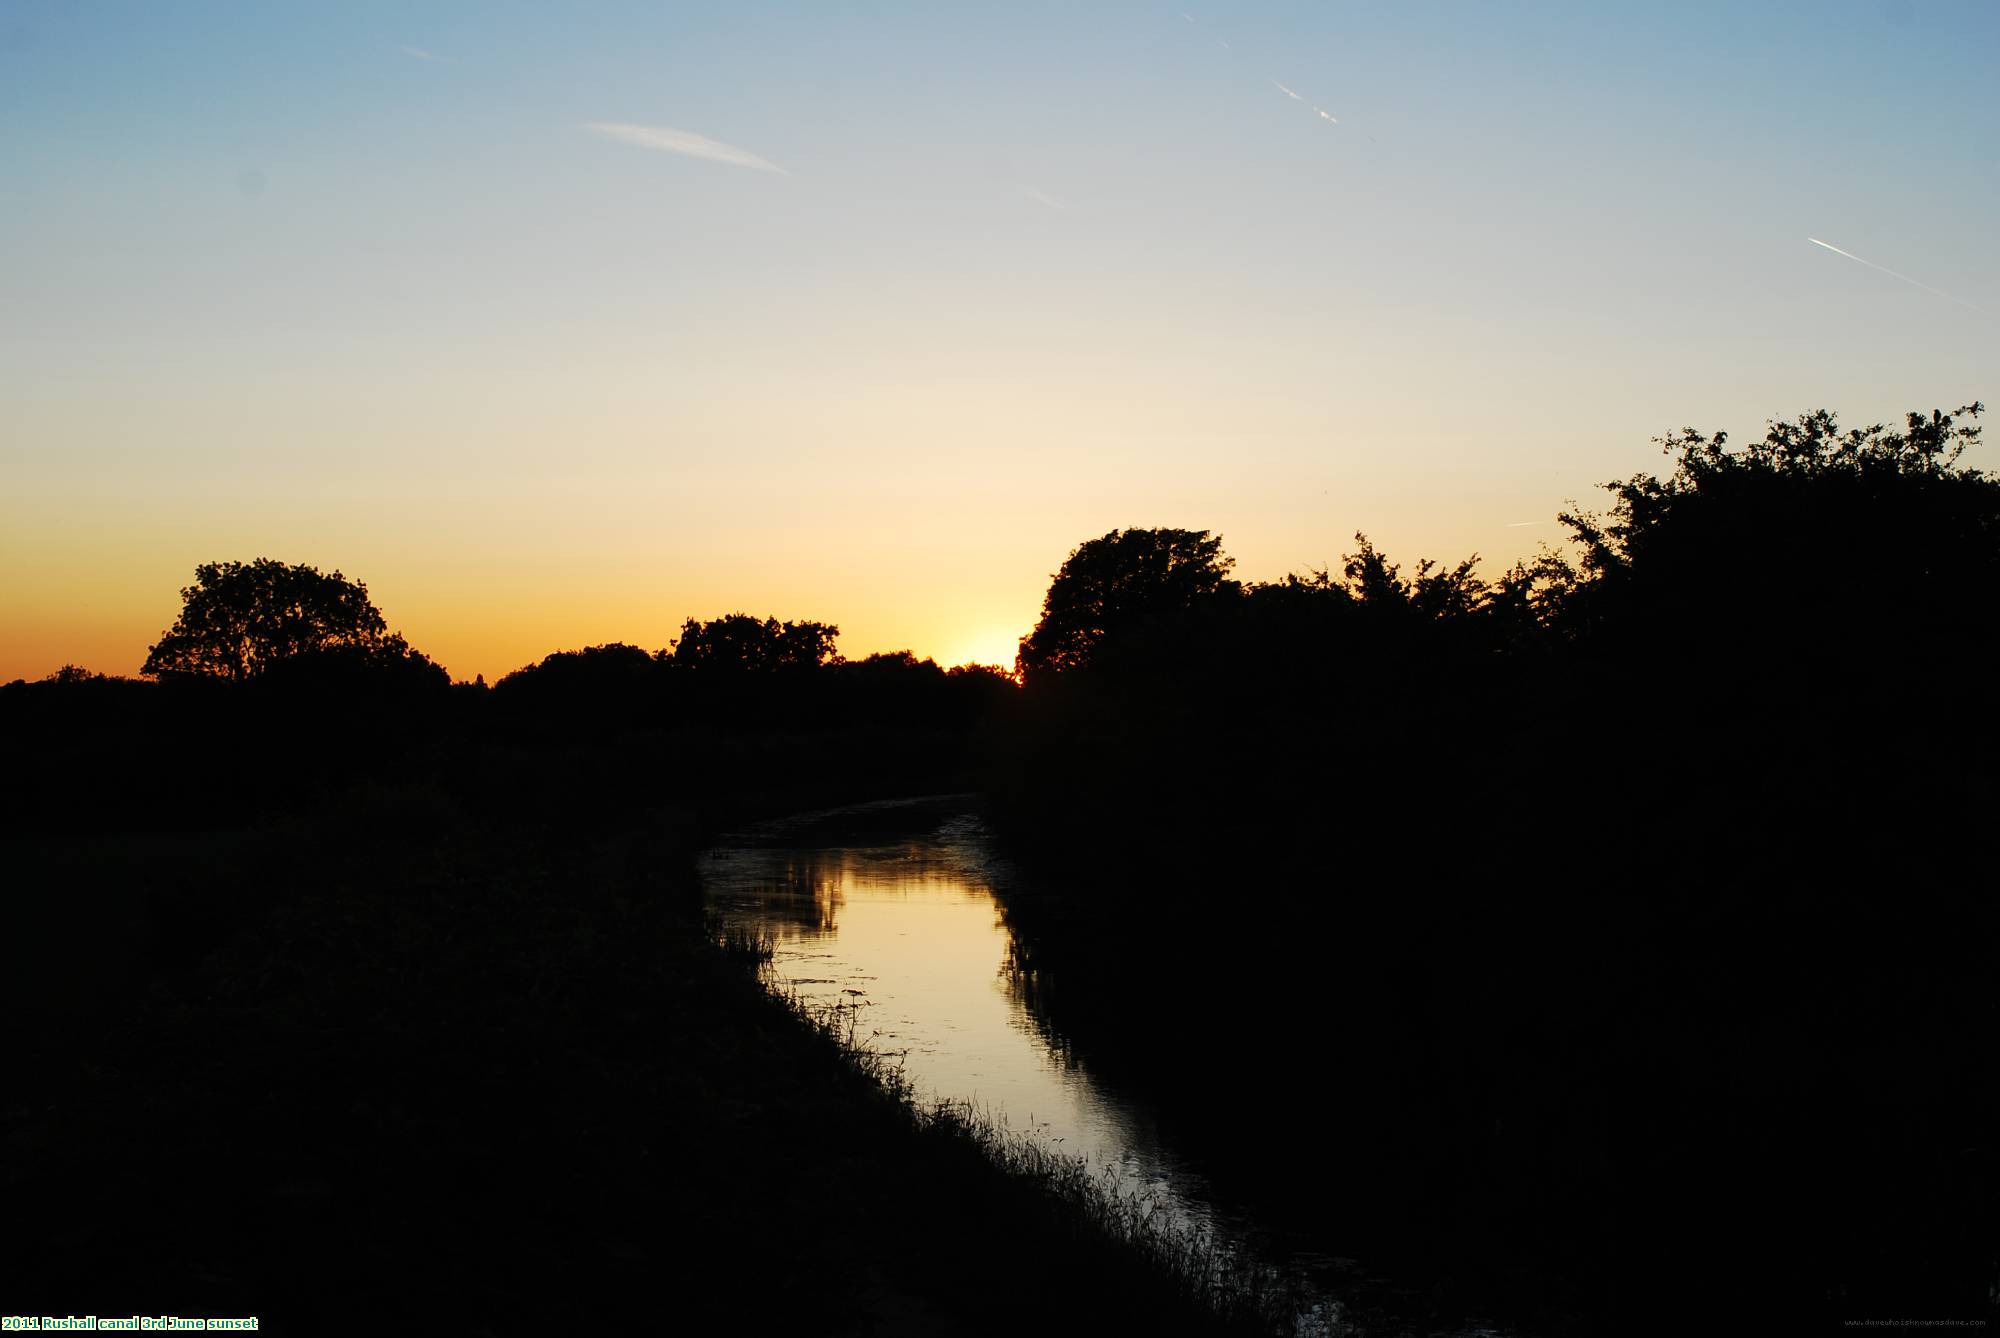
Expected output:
(1203, 1269)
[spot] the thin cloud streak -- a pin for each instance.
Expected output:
(1044, 197)
(1323, 114)
(1319, 111)
(418, 53)
(666, 139)
(1892, 274)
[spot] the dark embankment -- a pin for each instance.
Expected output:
(398, 1009)
(1630, 922)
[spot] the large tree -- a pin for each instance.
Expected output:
(1122, 582)
(242, 620)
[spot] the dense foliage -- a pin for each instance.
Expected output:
(1127, 583)
(742, 644)
(1633, 898)
(246, 620)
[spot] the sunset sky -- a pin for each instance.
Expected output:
(558, 325)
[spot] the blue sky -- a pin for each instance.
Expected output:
(358, 285)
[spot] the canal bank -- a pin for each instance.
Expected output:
(392, 1056)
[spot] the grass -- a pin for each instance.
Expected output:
(1195, 1268)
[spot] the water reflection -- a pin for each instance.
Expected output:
(908, 931)
(894, 911)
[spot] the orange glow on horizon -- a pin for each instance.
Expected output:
(994, 648)
(469, 645)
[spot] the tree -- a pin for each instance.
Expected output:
(594, 669)
(243, 620)
(1127, 581)
(739, 643)
(1814, 550)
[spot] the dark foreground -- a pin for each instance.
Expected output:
(381, 1062)
(1608, 946)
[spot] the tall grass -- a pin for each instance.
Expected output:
(1210, 1273)
(747, 945)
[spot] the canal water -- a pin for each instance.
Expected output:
(892, 912)
(889, 911)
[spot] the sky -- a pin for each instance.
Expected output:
(560, 325)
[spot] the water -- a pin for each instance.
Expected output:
(906, 930)
(889, 910)
(892, 911)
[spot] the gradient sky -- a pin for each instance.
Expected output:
(943, 291)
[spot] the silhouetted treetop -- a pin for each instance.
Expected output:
(740, 644)
(1811, 542)
(242, 620)
(984, 673)
(1437, 592)
(1810, 459)
(592, 669)
(894, 662)
(1124, 581)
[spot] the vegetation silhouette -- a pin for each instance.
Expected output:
(1125, 583)
(1599, 944)
(247, 620)
(740, 676)
(1634, 902)
(740, 644)
(418, 1012)
(1814, 552)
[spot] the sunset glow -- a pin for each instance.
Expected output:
(746, 666)
(560, 333)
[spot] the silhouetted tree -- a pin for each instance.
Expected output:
(1374, 581)
(1815, 549)
(739, 643)
(989, 674)
(1126, 581)
(239, 620)
(581, 698)
(594, 670)
(895, 666)
(1448, 609)
(388, 665)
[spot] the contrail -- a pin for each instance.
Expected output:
(1324, 115)
(1318, 110)
(669, 140)
(1892, 274)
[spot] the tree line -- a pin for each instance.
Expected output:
(266, 620)
(1790, 548)
(1806, 545)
